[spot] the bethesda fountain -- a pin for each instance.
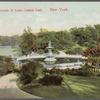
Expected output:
(50, 58)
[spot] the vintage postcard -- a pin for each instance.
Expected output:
(49, 50)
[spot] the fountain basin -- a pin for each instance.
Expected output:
(50, 60)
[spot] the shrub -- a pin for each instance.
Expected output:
(6, 65)
(94, 52)
(51, 80)
(45, 70)
(16, 70)
(54, 71)
(28, 72)
(33, 85)
(86, 72)
(74, 72)
(96, 73)
(68, 71)
(83, 72)
(80, 72)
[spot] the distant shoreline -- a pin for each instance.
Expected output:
(5, 46)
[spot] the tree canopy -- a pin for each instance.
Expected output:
(27, 42)
(73, 41)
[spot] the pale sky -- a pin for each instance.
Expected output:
(78, 14)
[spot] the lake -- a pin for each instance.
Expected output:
(6, 51)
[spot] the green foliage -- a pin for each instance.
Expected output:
(27, 42)
(84, 72)
(43, 30)
(69, 71)
(67, 40)
(64, 39)
(86, 36)
(61, 40)
(93, 52)
(79, 72)
(93, 60)
(43, 39)
(77, 49)
(16, 70)
(51, 80)
(9, 40)
(6, 65)
(29, 72)
(40, 51)
(72, 87)
(54, 71)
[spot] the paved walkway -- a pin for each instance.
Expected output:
(9, 89)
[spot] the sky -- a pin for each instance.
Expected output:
(77, 14)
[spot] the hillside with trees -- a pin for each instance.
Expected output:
(9, 40)
(74, 41)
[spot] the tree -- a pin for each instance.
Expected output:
(86, 36)
(81, 35)
(27, 42)
(65, 40)
(9, 40)
(43, 39)
(43, 30)
(14, 40)
(77, 49)
(93, 60)
(92, 52)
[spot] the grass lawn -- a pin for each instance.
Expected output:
(72, 87)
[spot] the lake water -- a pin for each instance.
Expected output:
(6, 51)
